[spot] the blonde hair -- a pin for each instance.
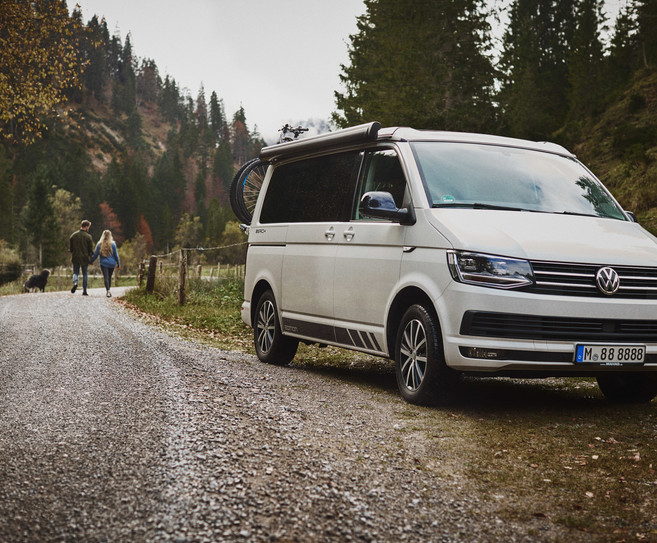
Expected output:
(106, 241)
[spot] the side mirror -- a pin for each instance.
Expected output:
(631, 215)
(381, 205)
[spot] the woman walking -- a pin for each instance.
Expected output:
(109, 258)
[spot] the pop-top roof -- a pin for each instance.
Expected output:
(372, 132)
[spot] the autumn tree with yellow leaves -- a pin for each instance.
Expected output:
(39, 62)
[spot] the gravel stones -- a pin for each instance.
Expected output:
(112, 430)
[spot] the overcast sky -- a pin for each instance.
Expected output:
(280, 59)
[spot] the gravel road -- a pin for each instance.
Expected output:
(112, 430)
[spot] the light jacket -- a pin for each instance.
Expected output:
(110, 261)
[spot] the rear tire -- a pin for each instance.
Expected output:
(423, 378)
(271, 345)
(628, 387)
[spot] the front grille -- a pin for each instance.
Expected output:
(513, 326)
(579, 280)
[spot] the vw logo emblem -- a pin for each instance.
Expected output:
(607, 280)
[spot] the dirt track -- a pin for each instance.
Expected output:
(111, 430)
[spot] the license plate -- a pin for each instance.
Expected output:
(610, 354)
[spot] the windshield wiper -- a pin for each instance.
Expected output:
(479, 205)
(577, 214)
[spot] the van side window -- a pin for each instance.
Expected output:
(313, 190)
(381, 171)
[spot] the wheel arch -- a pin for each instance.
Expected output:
(259, 289)
(402, 301)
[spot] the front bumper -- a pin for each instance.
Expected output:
(495, 331)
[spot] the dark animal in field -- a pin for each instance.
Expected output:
(37, 282)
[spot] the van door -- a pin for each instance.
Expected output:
(313, 196)
(368, 258)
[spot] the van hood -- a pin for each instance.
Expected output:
(547, 236)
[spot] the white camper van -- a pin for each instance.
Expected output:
(452, 254)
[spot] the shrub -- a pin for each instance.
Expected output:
(10, 264)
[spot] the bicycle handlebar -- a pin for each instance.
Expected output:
(287, 129)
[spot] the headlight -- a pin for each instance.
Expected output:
(489, 271)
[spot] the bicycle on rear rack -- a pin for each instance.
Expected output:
(247, 182)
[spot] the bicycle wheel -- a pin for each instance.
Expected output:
(245, 187)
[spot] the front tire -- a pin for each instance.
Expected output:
(423, 378)
(271, 345)
(628, 387)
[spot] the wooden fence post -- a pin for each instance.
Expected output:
(182, 277)
(152, 268)
(140, 277)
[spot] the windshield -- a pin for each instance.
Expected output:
(495, 177)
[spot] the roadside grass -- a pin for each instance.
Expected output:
(549, 454)
(212, 314)
(552, 454)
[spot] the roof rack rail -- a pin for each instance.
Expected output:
(345, 136)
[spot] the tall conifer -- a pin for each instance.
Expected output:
(418, 63)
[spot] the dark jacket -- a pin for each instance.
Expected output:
(81, 246)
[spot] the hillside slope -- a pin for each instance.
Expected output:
(620, 146)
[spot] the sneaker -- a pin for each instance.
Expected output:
(85, 293)
(109, 294)
(75, 286)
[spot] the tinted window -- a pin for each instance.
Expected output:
(381, 171)
(457, 174)
(313, 190)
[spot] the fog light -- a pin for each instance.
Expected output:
(488, 354)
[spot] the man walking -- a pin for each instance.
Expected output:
(81, 246)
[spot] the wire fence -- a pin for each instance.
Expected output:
(182, 262)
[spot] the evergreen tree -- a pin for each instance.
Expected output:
(39, 219)
(218, 123)
(95, 45)
(7, 204)
(148, 82)
(170, 100)
(124, 92)
(585, 63)
(133, 129)
(223, 167)
(240, 137)
(418, 63)
(128, 191)
(647, 36)
(623, 51)
(67, 209)
(218, 216)
(534, 93)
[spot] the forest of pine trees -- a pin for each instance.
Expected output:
(132, 152)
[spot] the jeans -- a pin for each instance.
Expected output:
(107, 276)
(76, 275)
